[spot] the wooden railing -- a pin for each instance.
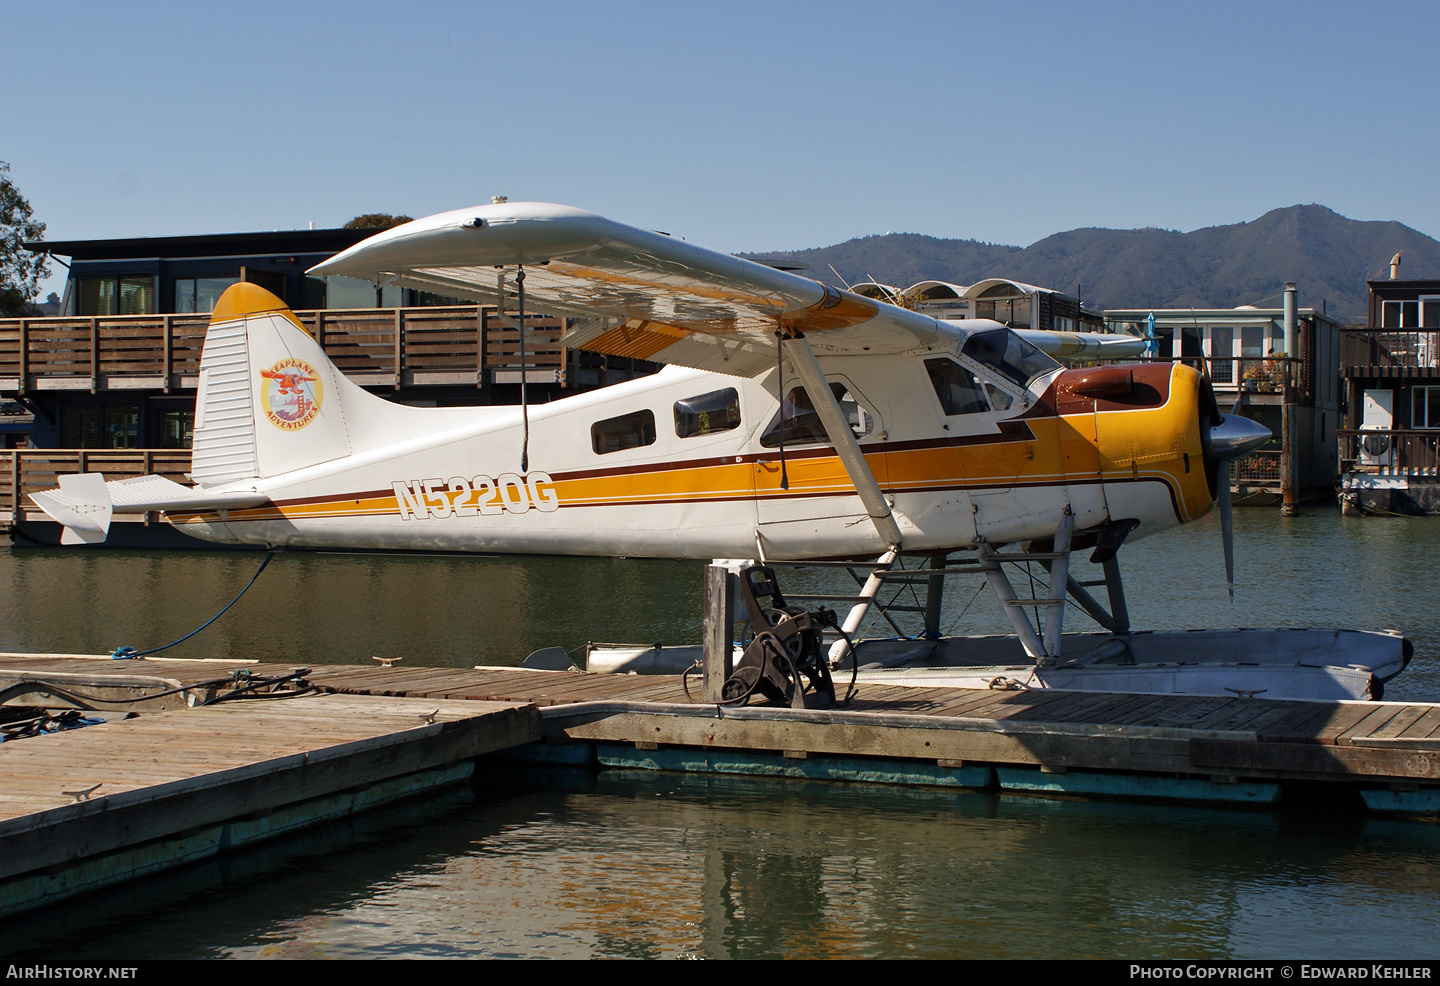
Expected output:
(376, 346)
(1259, 468)
(27, 471)
(1390, 348)
(1393, 450)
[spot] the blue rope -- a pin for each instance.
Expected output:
(130, 653)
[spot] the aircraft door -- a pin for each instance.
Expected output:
(820, 500)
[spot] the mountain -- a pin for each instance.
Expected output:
(1329, 257)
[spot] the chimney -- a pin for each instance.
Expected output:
(1291, 325)
(1395, 266)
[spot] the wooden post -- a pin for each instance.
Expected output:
(24, 353)
(1289, 454)
(94, 354)
(15, 487)
(320, 330)
(167, 352)
(399, 337)
(718, 656)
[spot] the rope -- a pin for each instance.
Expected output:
(130, 653)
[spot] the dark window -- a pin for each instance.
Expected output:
(101, 426)
(199, 294)
(956, 387)
(117, 295)
(708, 413)
(802, 424)
(627, 431)
(1008, 354)
(175, 429)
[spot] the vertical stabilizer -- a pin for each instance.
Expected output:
(269, 400)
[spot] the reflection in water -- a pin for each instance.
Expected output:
(637, 865)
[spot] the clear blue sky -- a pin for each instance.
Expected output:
(741, 126)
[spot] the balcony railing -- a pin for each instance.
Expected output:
(373, 346)
(1255, 374)
(1394, 450)
(1415, 348)
(29, 470)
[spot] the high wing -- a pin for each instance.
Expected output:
(637, 293)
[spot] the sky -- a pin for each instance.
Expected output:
(740, 126)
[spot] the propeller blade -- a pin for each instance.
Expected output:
(1227, 530)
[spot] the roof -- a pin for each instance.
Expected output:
(281, 241)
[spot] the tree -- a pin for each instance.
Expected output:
(20, 270)
(377, 220)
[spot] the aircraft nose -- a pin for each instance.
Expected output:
(1234, 436)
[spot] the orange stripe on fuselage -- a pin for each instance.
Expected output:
(1113, 446)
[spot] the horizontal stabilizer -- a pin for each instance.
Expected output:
(85, 503)
(81, 505)
(144, 493)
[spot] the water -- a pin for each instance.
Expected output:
(574, 865)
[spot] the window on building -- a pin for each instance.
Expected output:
(116, 295)
(798, 423)
(708, 413)
(352, 292)
(1400, 314)
(197, 295)
(1425, 407)
(101, 426)
(632, 430)
(1222, 351)
(175, 429)
(956, 387)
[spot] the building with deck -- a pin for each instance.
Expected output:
(1390, 442)
(1013, 303)
(109, 384)
(1278, 366)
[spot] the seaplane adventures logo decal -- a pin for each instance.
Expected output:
(292, 394)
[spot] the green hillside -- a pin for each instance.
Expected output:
(1328, 256)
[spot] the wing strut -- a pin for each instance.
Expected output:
(807, 368)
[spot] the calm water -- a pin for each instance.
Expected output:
(632, 865)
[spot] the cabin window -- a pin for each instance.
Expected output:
(708, 413)
(1425, 411)
(632, 430)
(801, 423)
(1009, 355)
(956, 387)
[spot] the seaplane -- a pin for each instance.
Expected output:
(792, 421)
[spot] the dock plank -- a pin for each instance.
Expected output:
(163, 773)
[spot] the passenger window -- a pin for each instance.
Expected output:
(802, 424)
(707, 414)
(627, 431)
(956, 387)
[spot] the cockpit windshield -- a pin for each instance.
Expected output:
(1008, 354)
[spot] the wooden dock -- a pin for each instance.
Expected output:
(240, 771)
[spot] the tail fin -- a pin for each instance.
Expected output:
(269, 400)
